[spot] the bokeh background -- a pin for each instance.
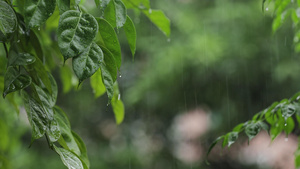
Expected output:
(221, 65)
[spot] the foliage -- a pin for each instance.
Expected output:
(38, 35)
(280, 116)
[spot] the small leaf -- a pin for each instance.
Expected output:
(130, 35)
(213, 144)
(97, 84)
(38, 11)
(110, 63)
(239, 127)
(69, 159)
(110, 40)
(8, 19)
(288, 110)
(252, 129)
(87, 63)
(232, 137)
(108, 81)
(14, 81)
(117, 105)
(76, 32)
(159, 19)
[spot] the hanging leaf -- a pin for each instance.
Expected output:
(110, 63)
(14, 81)
(159, 19)
(232, 137)
(108, 81)
(110, 13)
(38, 11)
(20, 59)
(110, 40)
(76, 31)
(130, 35)
(83, 152)
(87, 63)
(252, 129)
(213, 144)
(69, 159)
(8, 19)
(67, 140)
(115, 13)
(117, 105)
(97, 84)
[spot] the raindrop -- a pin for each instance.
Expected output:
(150, 11)
(107, 104)
(39, 28)
(120, 75)
(169, 40)
(18, 41)
(286, 139)
(267, 8)
(285, 124)
(119, 96)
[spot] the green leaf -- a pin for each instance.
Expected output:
(288, 110)
(130, 35)
(36, 44)
(20, 59)
(213, 144)
(110, 63)
(14, 81)
(137, 4)
(36, 116)
(83, 152)
(38, 11)
(87, 63)
(252, 129)
(121, 13)
(115, 13)
(239, 127)
(67, 140)
(8, 19)
(280, 19)
(108, 81)
(110, 40)
(69, 159)
(232, 137)
(66, 78)
(289, 126)
(76, 32)
(159, 19)
(117, 105)
(63, 6)
(97, 84)
(297, 156)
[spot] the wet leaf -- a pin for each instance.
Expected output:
(97, 84)
(87, 63)
(252, 129)
(76, 32)
(213, 144)
(14, 81)
(110, 63)
(83, 152)
(38, 11)
(63, 6)
(232, 137)
(8, 19)
(69, 159)
(159, 19)
(130, 35)
(110, 40)
(20, 59)
(117, 105)
(108, 81)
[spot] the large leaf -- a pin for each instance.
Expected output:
(159, 19)
(117, 105)
(76, 32)
(110, 40)
(14, 81)
(87, 63)
(97, 84)
(38, 11)
(8, 19)
(130, 35)
(69, 159)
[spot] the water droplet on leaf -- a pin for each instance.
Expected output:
(150, 11)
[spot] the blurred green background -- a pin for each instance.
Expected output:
(221, 65)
